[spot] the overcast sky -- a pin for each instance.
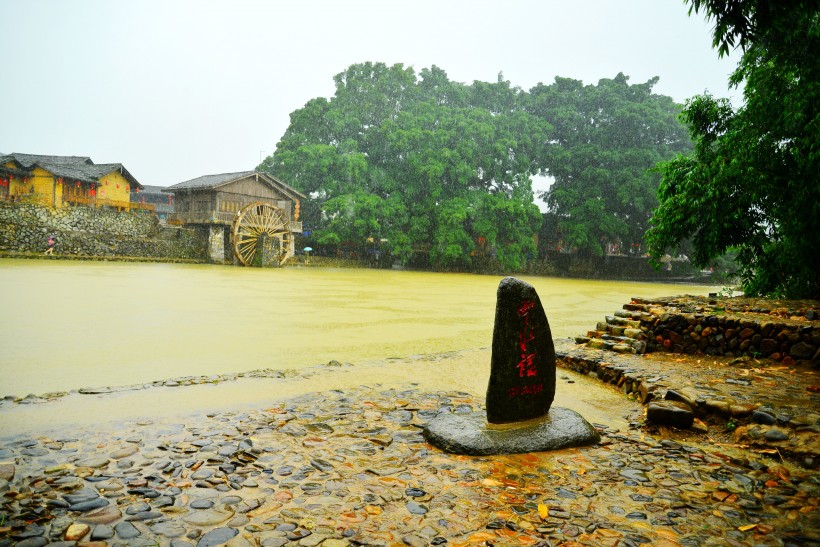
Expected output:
(178, 89)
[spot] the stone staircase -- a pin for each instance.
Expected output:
(715, 327)
(620, 332)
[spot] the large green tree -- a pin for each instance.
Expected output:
(442, 170)
(751, 184)
(606, 139)
(428, 166)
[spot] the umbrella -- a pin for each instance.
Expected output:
(307, 249)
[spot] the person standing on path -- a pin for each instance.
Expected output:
(50, 250)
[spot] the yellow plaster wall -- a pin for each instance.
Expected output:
(114, 187)
(15, 183)
(41, 184)
(49, 186)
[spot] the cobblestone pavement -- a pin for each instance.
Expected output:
(351, 468)
(758, 404)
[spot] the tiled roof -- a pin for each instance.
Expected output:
(70, 167)
(211, 181)
(29, 160)
(214, 181)
(150, 189)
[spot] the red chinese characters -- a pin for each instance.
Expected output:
(526, 364)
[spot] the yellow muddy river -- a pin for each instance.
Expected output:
(66, 325)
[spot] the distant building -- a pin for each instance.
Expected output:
(58, 181)
(155, 196)
(244, 211)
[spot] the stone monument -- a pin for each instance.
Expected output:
(521, 389)
(522, 366)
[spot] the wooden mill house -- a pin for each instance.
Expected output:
(251, 217)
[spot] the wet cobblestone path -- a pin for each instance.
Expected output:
(351, 468)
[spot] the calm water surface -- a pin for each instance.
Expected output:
(65, 325)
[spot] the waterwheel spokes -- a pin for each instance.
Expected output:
(272, 222)
(267, 220)
(254, 220)
(246, 247)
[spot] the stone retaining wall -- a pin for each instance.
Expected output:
(695, 326)
(782, 335)
(86, 231)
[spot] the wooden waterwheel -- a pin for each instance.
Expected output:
(257, 226)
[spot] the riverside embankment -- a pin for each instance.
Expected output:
(99, 233)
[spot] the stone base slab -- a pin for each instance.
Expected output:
(471, 435)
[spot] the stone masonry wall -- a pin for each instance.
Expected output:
(783, 335)
(86, 231)
(711, 327)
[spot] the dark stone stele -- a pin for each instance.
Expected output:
(521, 389)
(522, 366)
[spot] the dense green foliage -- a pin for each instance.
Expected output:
(422, 166)
(752, 183)
(606, 139)
(419, 166)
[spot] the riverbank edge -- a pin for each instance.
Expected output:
(588, 268)
(99, 258)
(721, 413)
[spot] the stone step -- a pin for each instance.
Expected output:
(638, 345)
(618, 344)
(609, 345)
(621, 322)
(619, 332)
(623, 348)
(617, 339)
(636, 334)
(650, 303)
(633, 334)
(611, 334)
(598, 343)
(632, 315)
